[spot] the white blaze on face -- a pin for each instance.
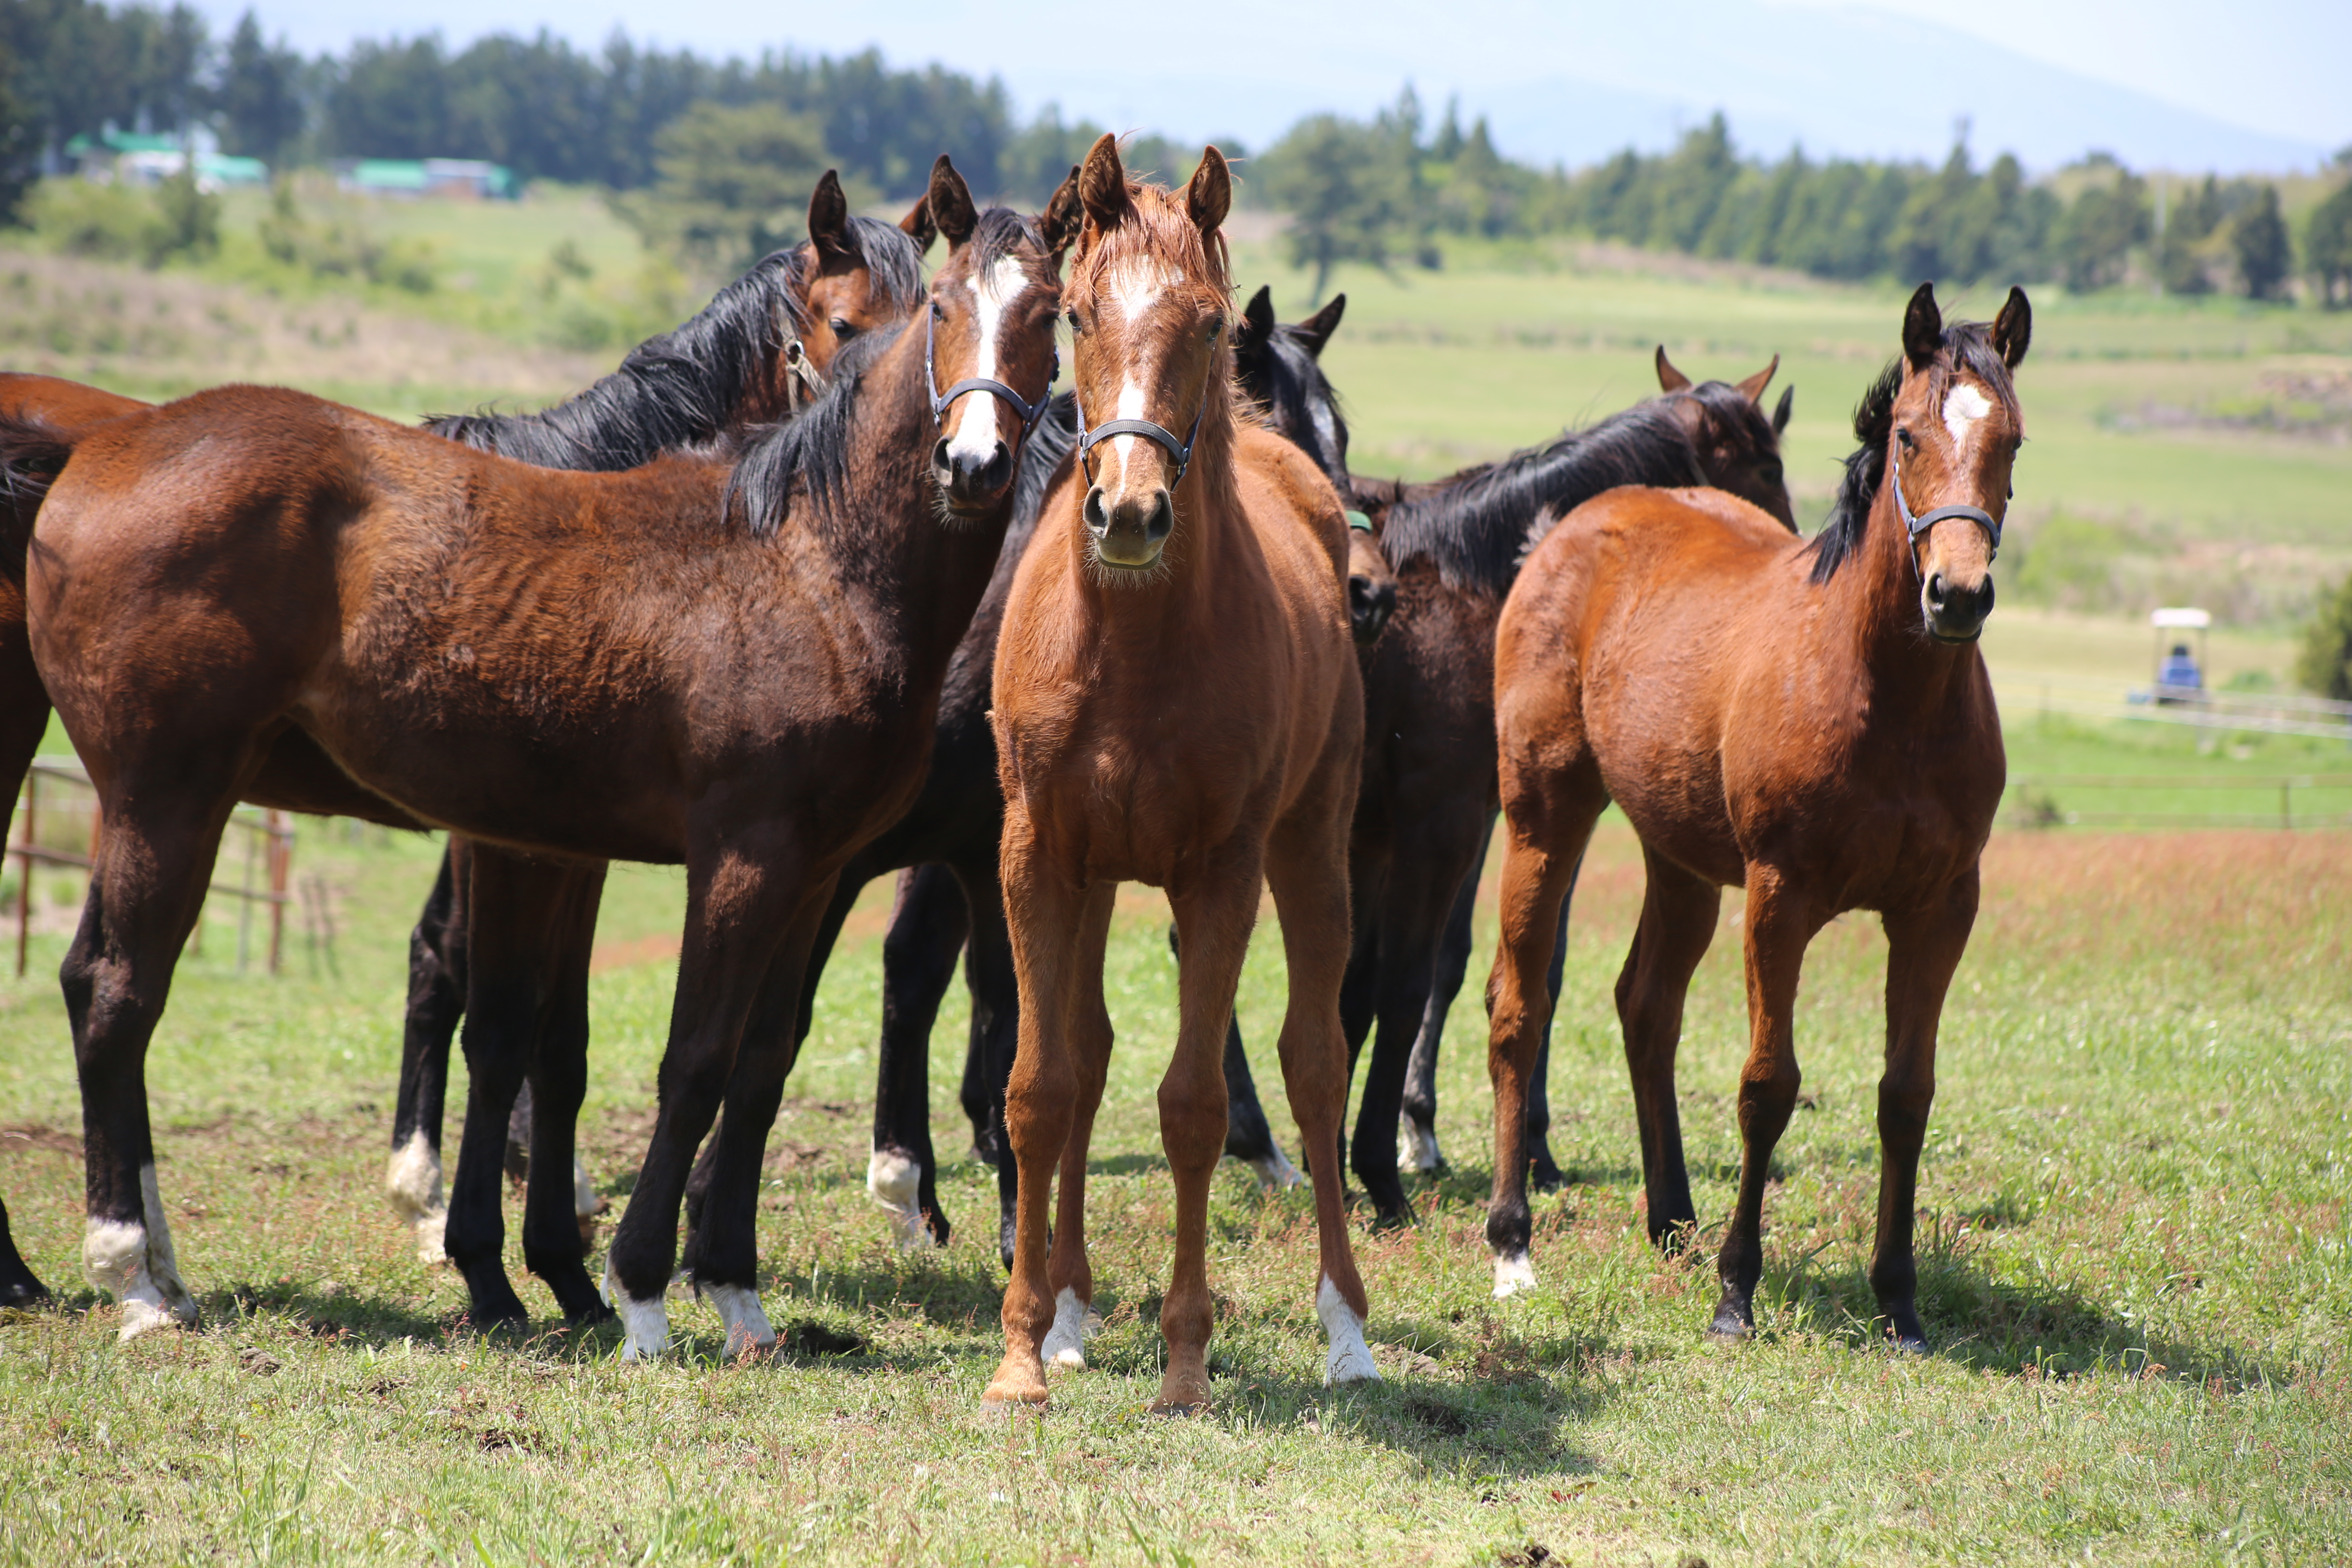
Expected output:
(1964, 409)
(1135, 287)
(973, 431)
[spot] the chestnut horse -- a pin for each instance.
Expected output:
(1812, 722)
(1426, 809)
(733, 666)
(949, 897)
(1176, 703)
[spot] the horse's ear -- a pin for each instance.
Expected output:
(1923, 327)
(2013, 328)
(1210, 195)
(1102, 184)
(1669, 378)
(1780, 414)
(1316, 329)
(1063, 216)
(1257, 328)
(918, 223)
(1753, 387)
(828, 214)
(950, 203)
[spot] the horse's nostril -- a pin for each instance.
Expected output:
(1096, 519)
(1164, 518)
(940, 460)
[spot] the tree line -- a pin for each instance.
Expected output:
(707, 153)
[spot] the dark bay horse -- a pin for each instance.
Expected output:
(756, 354)
(949, 897)
(1810, 721)
(1176, 702)
(729, 664)
(1426, 807)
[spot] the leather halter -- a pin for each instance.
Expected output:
(1919, 525)
(1088, 439)
(1030, 412)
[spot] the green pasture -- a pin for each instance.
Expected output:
(2134, 1260)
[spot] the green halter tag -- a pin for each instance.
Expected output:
(1357, 520)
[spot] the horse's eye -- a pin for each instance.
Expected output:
(1216, 325)
(843, 327)
(1074, 321)
(1903, 434)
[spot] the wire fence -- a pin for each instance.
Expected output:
(2021, 691)
(58, 826)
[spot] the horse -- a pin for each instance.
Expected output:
(948, 899)
(755, 354)
(731, 665)
(1425, 808)
(1176, 702)
(1809, 721)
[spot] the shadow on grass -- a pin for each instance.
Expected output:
(2007, 1327)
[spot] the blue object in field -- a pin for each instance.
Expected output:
(2179, 670)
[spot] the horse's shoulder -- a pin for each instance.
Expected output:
(1743, 517)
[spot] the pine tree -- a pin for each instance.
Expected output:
(2264, 260)
(2328, 248)
(261, 112)
(2324, 665)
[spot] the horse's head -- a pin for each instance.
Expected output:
(854, 275)
(989, 337)
(1739, 449)
(1955, 431)
(1150, 302)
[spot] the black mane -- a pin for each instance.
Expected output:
(1478, 525)
(1968, 345)
(810, 451)
(683, 388)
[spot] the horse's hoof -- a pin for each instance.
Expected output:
(748, 1328)
(645, 1324)
(588, 1314)
(1417, 1150)
(1020, 1381)
(1177, 1407)
(1275, 1173)
(1074, 1322)
(1181, 1394)
(1546, 1178)
(895, 1184)
(1350, 1359)
(23, 1295)
(1513, 1274)
(1731, 1325)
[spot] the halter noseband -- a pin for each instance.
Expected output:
(1088, 439)
(1030, 412)
(1919, 525)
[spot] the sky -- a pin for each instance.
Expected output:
(2259, 84)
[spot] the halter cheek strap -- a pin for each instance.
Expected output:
(1180, 450)
(800, 371)
(1030, 412)
(1916, 526)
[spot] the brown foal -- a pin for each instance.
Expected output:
(1809, 721)
(1176, 703)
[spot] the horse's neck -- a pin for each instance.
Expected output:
(1914, 679)
(1179, 595)
(915, 578)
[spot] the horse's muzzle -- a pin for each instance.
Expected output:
(972, 481)
(1369, 606)
(1956, 614)
(1131, 534)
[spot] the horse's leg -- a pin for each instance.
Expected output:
(1542, 1169)
(517, 910)
(1043, 911)
(558, 1204)
(1550, 819)
(437, 999)
(989, 974)
(723, 1257)
(1360, 987)
(1923, 948)
(1430, 863)
(742, 897)
(1306, 870)
(1678, 918)
(1248, 1136)
(19, 1285)
(1069, 1270)
(146, 886)
(1417, 1147)
(1778, 924)
(1216, 913)
(929, 923)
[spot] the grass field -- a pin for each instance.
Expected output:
(2135, 1266)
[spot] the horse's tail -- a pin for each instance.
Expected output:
(33, 453)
